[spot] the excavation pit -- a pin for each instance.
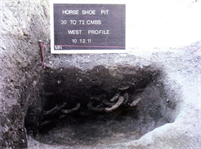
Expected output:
(98, 106)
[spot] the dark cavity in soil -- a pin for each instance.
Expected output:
(97, 106)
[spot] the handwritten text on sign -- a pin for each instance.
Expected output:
(89, 26)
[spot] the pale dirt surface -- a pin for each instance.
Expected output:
(169, 37)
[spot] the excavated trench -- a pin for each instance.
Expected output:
(98, 106)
